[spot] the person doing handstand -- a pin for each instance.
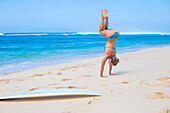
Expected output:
(110, 49)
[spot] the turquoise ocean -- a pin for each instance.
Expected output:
(22, 51)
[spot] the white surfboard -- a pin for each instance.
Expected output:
(51, 92)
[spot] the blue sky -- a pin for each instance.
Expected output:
(84, 16)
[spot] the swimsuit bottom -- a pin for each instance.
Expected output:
(116, 35)
(111, 48)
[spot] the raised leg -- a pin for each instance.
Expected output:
(107, 17)
(101, 28)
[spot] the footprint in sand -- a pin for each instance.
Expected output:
(115, 90)
(5, 80)
(166, 86)
(156, 76)
(163, 79)
(66, 87)
(154, 85)
(59, 73)
(48, 73)
(74, 67)
(36, 75)
(158, 95)
(126, 82)
(63, 69)
(22, 79)
(19, 80)
(87, 76)
(144, 83)
(52, 84)
(66, 79)
(33, 89)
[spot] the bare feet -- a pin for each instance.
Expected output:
(103, 16)
(106, 13)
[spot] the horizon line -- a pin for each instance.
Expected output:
(124, 33)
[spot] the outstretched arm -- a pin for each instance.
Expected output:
(110, 69)
(110, 66)
(102, 65)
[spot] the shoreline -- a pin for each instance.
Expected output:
(141, 84)
(74, 60)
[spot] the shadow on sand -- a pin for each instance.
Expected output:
(120, 73)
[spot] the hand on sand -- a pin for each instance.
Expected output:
(106, 13)
(112, 74)
(103, 76)
(103, 16)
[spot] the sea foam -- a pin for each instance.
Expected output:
(87, 33)
(140, 33)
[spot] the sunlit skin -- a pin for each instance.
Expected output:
(104, 31)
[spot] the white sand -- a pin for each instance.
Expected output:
(141, 85)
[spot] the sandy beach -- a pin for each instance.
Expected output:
(141, 84)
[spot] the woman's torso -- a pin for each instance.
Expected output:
(111, 44)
